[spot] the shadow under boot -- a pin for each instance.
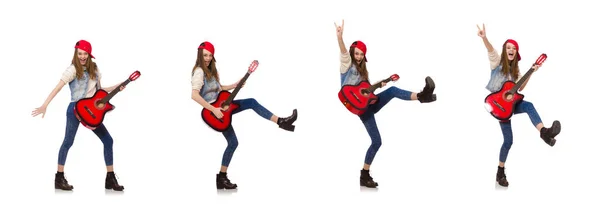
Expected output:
(548, 134)
(366, 180)
(223, 182)
(501, 177)
(111, 182)
(287, 123)
(60, 182)
(427, 95)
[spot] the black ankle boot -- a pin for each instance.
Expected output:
(286, 123)
(223, 182)
(548, 134)
(427, 95)
(366, 179)
(60, 182)
(111, 182)
(501, 177)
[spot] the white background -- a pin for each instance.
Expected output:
(435, 157)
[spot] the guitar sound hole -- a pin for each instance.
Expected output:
(508, 96)
(364, 92)
(99, 105)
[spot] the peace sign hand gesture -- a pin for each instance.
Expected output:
(481, 31)
(339, 29)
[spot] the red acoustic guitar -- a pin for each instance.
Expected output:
(356, 98)
(224, 101)
(501, 104)
(91, 111)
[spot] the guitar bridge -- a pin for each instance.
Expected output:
(499, 106)
(355, 97)
(89, 112)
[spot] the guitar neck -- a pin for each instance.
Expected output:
(521, 81)
(237, 89)
(114, 91)
(372, 88)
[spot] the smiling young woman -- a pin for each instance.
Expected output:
(505, 67)
(353, 70)
(83, 77)
(206, 87)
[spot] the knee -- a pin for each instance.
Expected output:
(252, 101)
(508, 138)
(528, 106)
(67, 143)
(507, 144)
(232, 145)
(376, 143)
(394, 89)
(107, 140)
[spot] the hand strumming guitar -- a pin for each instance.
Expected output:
(217, 112)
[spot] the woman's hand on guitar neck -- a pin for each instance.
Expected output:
(238, 82)
(217, 112)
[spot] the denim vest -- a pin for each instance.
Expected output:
(497, 79)
(210, 89)
(351, 77)
(79, 87)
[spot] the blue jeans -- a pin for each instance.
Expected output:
(71, 130)
(368, 118)
(523, 107)
(229, 134)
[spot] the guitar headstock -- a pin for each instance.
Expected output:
(541, 59)
(134, 75)
(394, 77)
(253, 66)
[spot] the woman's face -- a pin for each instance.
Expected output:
(206, 56)
(511, 51)
(82, 56)
(358, 55)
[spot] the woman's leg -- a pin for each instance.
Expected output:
(111, 179)
(508, 141)
(60, 182)
(424, 96)
(251, 103)
(232, 144)
(368, 119)
(222, 181)
(107, 141)
(390, 93)
(547, 134)
(70, 132)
